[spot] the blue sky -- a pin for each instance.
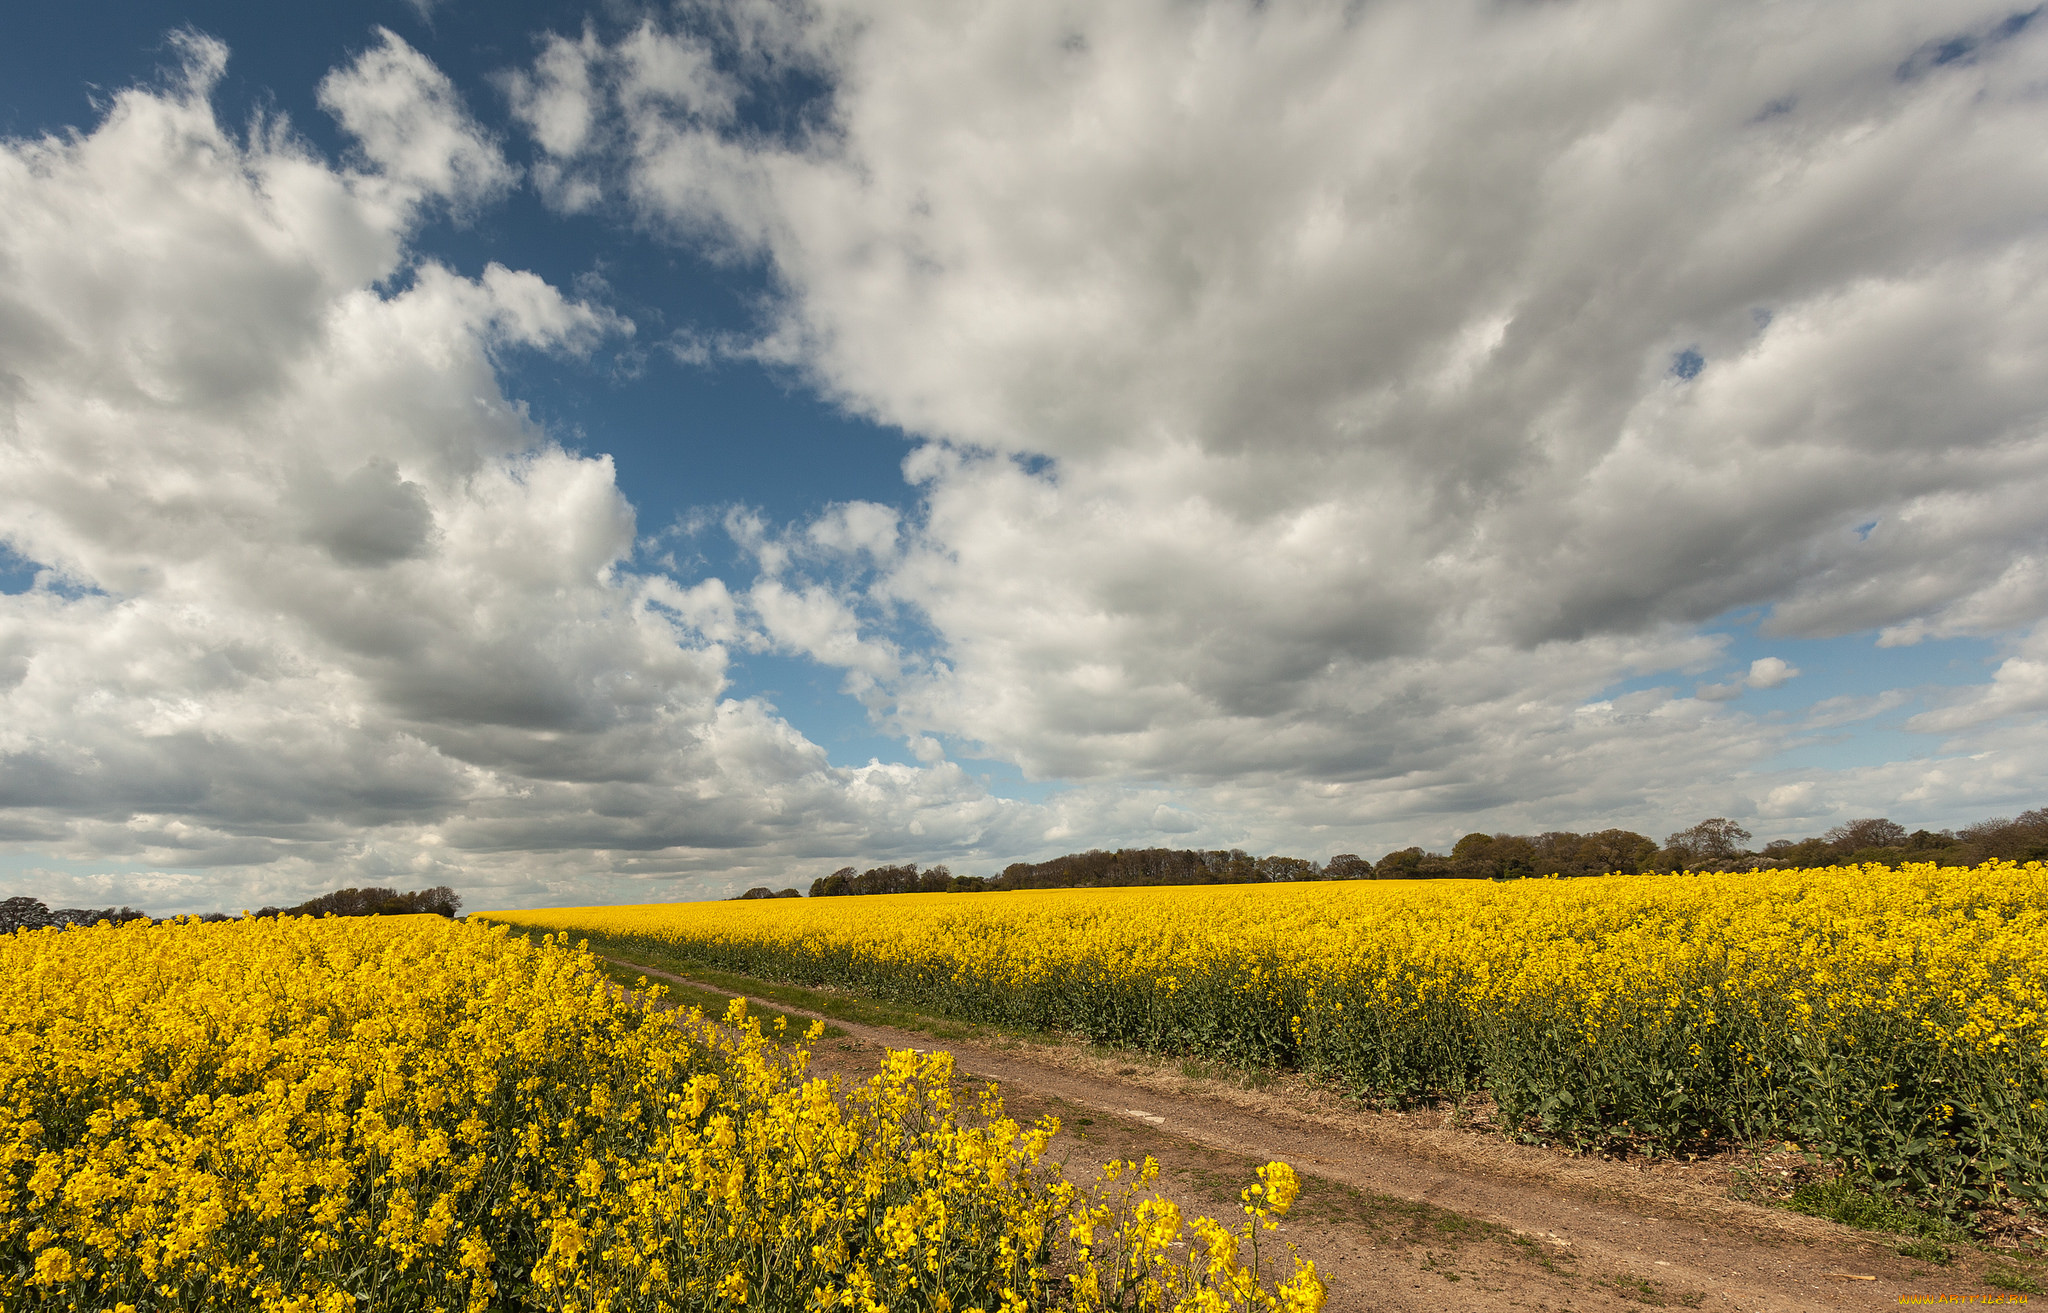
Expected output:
(640, 451)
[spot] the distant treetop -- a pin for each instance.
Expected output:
(1714, 844)
(438, 901)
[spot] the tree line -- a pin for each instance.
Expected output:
(906, 879)
(31, 914)
(1714, 844)
(438, 901)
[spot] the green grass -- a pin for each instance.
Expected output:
(840, 1007)
(1928, 1251)
(1856, 1202)
(2006, 1276)
(861, 1010)
(1644, 1291)
(712, 1004)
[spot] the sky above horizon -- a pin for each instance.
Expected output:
(627, 452)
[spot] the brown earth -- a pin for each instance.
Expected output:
(1431, 1211)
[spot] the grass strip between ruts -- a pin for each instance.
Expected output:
(625, 957)
(631, 975)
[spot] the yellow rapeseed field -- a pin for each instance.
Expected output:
(412, 1113)
(1896, 1020)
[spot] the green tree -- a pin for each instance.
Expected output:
(1714, 840)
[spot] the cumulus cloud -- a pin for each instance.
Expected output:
(1352, 394)
(411, 124)
(2018, 688)
(1764, 672)
(553, 101)
(1788, 800)
(318, 603)
(1770, 672)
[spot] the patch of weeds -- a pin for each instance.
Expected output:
(2008, 1276)
(1220, 1178)
(1193, 1067)
(1928, 1251)
(1455, 1224)
(1324, 1200)
(1429, 1262)
(1438, 1232)
(1645, 1291)
(1555, 1261)
(1126, 1071)
(1392, 1219)
(1858, 1202)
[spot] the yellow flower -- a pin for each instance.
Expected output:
(267, 1109)
(1585, 1006)
(1282, 1187)
(53, 1267)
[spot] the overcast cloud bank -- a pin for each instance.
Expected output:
(1321, 410)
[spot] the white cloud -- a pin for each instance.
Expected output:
(554, 100)
(815, 622)
(1829, 713)
(321, 605)
(1410, 374)
(1770, 672)
(2019, 687)
(852, 528)
(411, 124)
(1788, 800)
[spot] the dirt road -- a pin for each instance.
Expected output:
(1407, 1212)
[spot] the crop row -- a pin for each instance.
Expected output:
(1894, 1020)
(411, 1113)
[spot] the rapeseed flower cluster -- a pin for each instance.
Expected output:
(1896, 1020)
(412, 1113)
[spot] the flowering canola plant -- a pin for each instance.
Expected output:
(413, 1113)
(1896, 1020)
